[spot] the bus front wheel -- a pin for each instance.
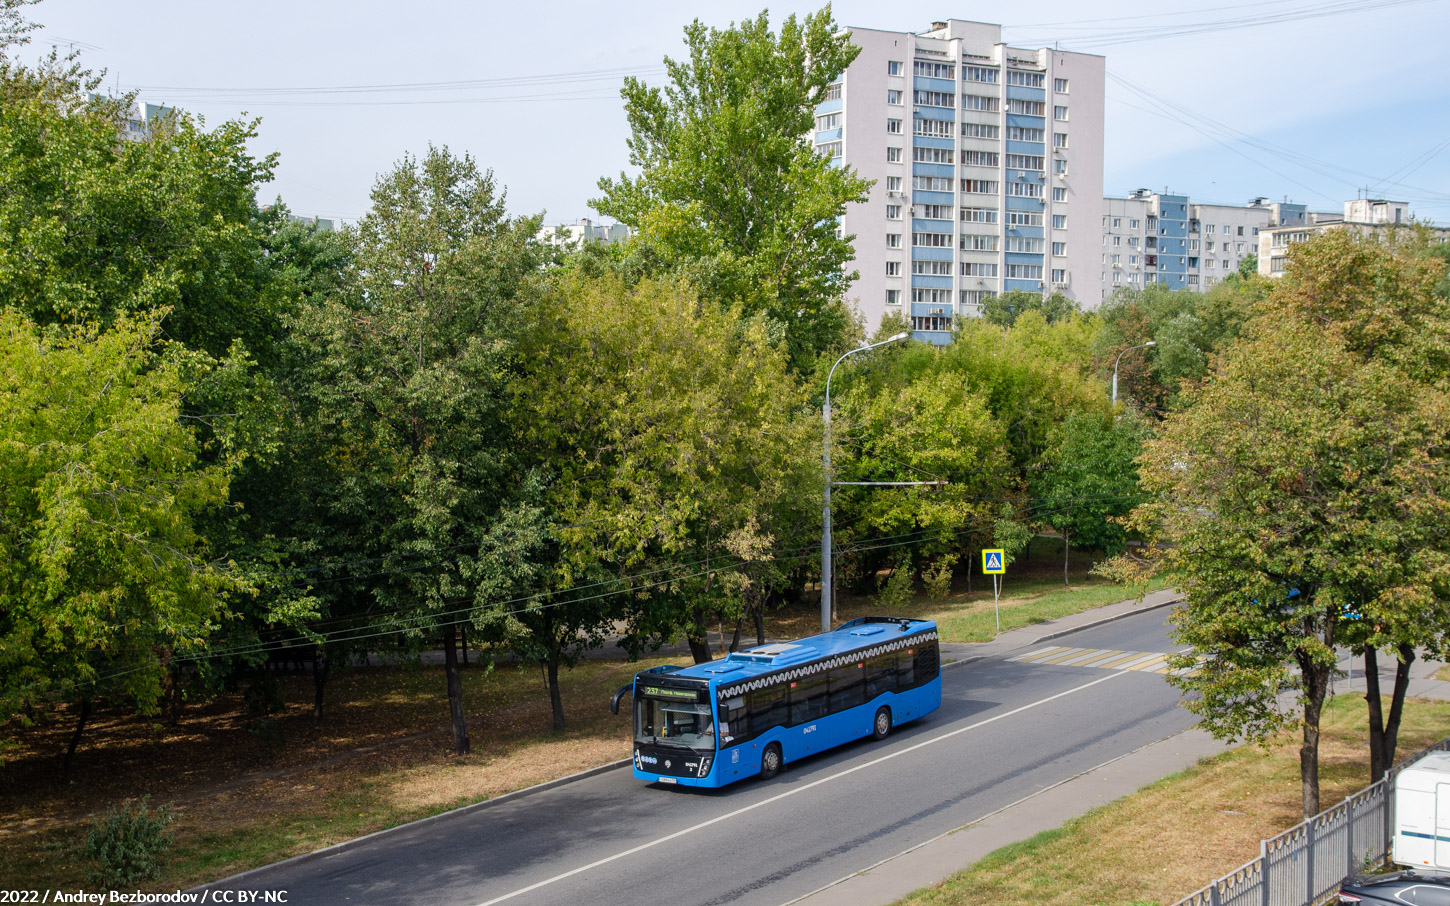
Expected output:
(881, 727)
(770, 761)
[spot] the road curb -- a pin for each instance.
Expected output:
(451, 813)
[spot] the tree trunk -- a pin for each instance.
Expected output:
(970, 561)
(1384, 731)
(1316, 686)
(68, 763)
(700, 643)
(1064, 558)
(556, 701)
(173, 695)
(461, 745)
(760, 625)
(739, 626)
(463, 642)
(320, 671)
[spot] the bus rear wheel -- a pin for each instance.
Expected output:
(881, 727)
(770, 761)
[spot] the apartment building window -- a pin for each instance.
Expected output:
(1208, 246)
(979, 186)
(1027, 244)
(981, 158)
(1024, 272)
(1193, 262)
(932, 268)
(1059, 249)
(893, 127)
(1059, 167)
(1240, 248)
(1225, 264)
(1024, 79)
(981, 102)
(1059, 139)
(893, 212)
(978, 74)
(893, 67)
(1117, 260)
(893, 297)
(828, 122)
(1117, 276)
(1117, 240)
(933, 155)
(1193, 245)
(979, 269)
(1276, 265)
(1026, 108)
(979, 215)
(933, 98)
(977, 242)
(981, 130)
(893, 155)
(932, 296)
(1024, 189)
(1059, 221)
(893, 268)
(833, 91)
(893, 97)
(1133, 260)
(830, 149)
(1059, 85)
(893, 183)
(1059, 114)
(1192, 279)
(932, 183)
(1132, 224)
(932, 240)
(1059, 275)
(976, 296)
(1241, 231)
(1209, 229)
(931, 322)
(1208, 262)
(1024, 162)
(1024, 218)
(1059, 194)
(1133, 241)
(934, 70)
(936, 212)
(933, 128)
(1024, 134)
(893, 240)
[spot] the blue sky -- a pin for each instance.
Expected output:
(1342, 101)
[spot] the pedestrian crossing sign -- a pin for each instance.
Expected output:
(994, 562)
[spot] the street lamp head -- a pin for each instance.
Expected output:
(904, 335)
(1151, 343)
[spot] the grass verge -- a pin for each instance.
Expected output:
(1174, 836)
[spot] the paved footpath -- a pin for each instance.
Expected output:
(940, 858)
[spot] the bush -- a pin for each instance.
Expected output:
(938, 578)
(896, 589)
(127, 845)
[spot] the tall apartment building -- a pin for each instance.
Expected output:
(1152, 237)
(988, 169)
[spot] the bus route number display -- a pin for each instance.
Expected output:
(683, 695)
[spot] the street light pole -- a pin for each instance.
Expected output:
(1120, 358)
(826, 462)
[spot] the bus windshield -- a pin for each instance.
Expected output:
(674, 723)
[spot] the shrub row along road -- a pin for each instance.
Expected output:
(1006, 729)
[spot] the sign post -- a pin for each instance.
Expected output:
(994, 564)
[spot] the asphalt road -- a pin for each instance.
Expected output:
(1005, 730)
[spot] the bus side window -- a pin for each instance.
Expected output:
(905, 670)
(767, 708)
(880, 674)
(848, 686)
(734, 720)
(808, 699)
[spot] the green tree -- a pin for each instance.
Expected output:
(1004, 309)
(731, 193)
(1301, 484)
(412, 374)
(681, 451)
(105, 577)
(1088, 480)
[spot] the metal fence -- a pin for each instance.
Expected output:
(1304, 865)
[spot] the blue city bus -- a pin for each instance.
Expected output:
(754, 711)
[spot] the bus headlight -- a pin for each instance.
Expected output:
(705, 765)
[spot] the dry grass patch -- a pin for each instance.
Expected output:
(1174, 836)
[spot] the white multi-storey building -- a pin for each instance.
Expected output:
(988, 170)
(1364, 215)
(1152, 237)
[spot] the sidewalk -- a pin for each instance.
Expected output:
(940, 858)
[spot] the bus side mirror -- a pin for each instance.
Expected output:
(623, 691)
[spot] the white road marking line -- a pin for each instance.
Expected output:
(788, 793)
